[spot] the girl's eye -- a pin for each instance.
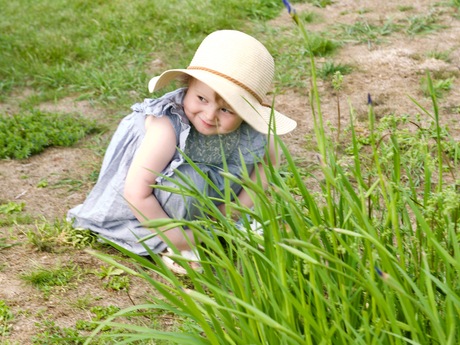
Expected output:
(228, 111)
(202, 99)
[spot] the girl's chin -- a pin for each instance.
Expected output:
(205, 130)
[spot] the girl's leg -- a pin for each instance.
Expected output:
(179, 206)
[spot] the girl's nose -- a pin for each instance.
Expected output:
(211, 115)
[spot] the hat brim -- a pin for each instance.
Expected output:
(262, 118)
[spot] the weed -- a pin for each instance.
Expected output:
(364, 32)
(12, 213)
(100, 314)
(423, 24)
(83, 302)
(337, 84)
(50, 333)
(11, 207)
(26, 134)
(51, 237)
(45, 279)
(320, 3)
(6, 317)
(441, 86)
(405, 8)
(71, 184)
(439, 55)
(114, 278)
(42, 183)
(320, 45)
(309, 16)
(330, 68)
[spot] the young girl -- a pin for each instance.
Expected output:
(222, 107)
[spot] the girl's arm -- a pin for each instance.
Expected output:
(153, 155)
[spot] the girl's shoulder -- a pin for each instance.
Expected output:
(168, 104)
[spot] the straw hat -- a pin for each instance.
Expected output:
(240, 69)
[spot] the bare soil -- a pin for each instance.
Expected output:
(390, 71)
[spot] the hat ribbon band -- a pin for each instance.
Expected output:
(233, 80)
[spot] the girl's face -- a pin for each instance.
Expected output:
(207, 111)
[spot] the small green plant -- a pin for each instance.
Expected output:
(45, 279)
(52, 237)
(12, 213)
(52, 334)
(330, 68)
(440, 55)
(42, 183)
(440, 86)
(26, 134)
(365, 32)
(100, 314)
(422, 24)
(320, 3)
(11, 207)
(70, 184)
(114, 278)
(309, 16)
(6, 317)
(405, 8)
(320, 45)
(83, 302)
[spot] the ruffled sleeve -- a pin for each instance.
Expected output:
(170, 105)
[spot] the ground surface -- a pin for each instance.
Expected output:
(390, 70)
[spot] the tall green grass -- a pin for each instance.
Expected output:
(371, 257)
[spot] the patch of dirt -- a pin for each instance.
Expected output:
(389, 71)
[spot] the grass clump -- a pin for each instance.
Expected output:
(6, 317)
(320, 3)
(440, 55)
(11, 213)
(55, 237)
(26, 134)
(320, 45)
(365, 32)
(329, 68)
(52, 334)
(100, 314)
(45, 279)
(423, 24)
(440, 86)
(114, 278)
